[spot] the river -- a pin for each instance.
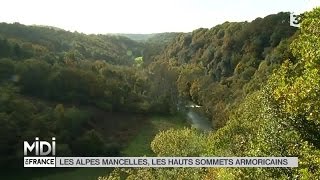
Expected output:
(197, 120)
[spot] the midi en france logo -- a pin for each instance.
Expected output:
(40, 153)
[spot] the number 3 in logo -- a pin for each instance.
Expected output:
(295, 20)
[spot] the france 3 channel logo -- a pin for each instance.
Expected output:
(295, 19)
(42, 153)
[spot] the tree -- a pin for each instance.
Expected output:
(138, 61)
(6, 70)
(295, 88)
(185, 142)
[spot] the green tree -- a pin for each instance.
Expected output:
(138, 61)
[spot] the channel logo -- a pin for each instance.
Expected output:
(42, 153)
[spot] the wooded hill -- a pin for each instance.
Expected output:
(280, 119)
(256, 81)
(221, 65)
(52, 44)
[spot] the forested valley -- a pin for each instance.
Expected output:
(257, 83)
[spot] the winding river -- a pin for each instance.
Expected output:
(199, 121)
(196, 119)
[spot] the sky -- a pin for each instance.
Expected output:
(142, 16)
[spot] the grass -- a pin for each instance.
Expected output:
(140, 145)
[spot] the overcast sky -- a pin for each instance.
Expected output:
(142, 16)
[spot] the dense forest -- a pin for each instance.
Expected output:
(257, 82)
(266, 86)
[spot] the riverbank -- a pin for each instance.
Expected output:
(140, 145)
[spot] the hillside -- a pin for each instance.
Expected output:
(221, 65)
(53, 44)
(257, 82)
(154, 37)
(136, 37)
(278, 111)
(47, 75)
